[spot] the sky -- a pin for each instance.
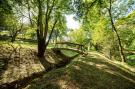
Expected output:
(71, 23)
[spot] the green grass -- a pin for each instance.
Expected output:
(131, 60)
(21, 43)
(69, 53)
(90, 72)
(19, 64)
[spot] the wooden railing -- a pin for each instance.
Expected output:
(70, 45)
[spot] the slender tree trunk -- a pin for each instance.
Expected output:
(115, 30)
(14, 35)
(42, 32)
(41, 47)
(13, 39)
(40, 37)
(29, 13)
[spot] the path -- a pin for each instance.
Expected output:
(91, 72)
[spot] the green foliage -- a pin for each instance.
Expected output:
(131, 60)
(78, 36)
(29, 33)
(97, 32)
(100, 32)
(11, 21)
(126, 30)
(5, 9)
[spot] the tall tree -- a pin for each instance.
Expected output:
(115, 30)
(52, 12)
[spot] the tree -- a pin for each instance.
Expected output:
(78, 36)
(115, 30)
(5, 9)
(125, 26)
(13, 26)
(60, 30)
(12, 18)
(86, 9)
(53, 11)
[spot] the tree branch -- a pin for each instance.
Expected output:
(51, 9)
(46, 21)
(115, 30)
(52, 31)
(92, 4)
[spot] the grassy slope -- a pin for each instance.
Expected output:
(23, 61)
(20, 65)
(91, 72)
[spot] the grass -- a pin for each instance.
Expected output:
(22, 63)
(69, 53)
(19, 65)
(131, 60)
(93, 71)
(90, 72)
(20, 43)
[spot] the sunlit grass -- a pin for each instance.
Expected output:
(90, 72)
(69, 53)
(20, 43)
(131, 60)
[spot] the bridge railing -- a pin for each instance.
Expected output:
(69, 45)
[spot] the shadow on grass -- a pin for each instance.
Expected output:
(91, 72)
(20, 83)
(3, 65)
(100, 75)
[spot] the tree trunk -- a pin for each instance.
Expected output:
(29, 13)
(13, 39)
(97, 47)
(42, 32)
(41, 47)
(115, 30)
(40, 37)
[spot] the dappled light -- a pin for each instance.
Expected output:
(94, 74)
(67, 44)
(19, 66)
